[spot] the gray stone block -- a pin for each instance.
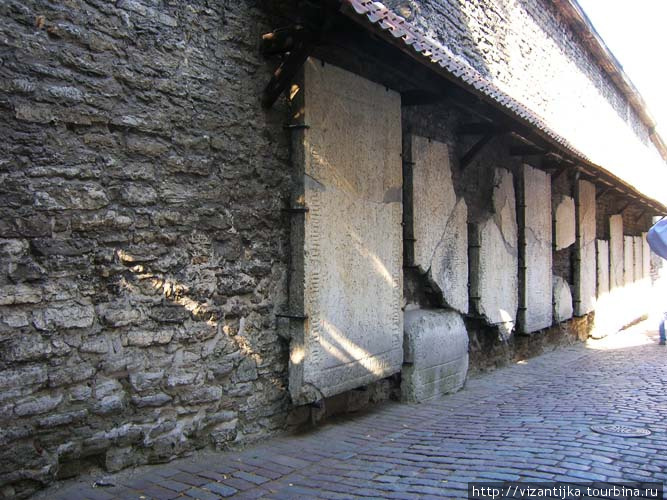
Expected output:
(638, 249)
(562, 300)
(347, 251)
(439, 222)
(602, 267)
(646, 258)
(494, 259)
(628, 260)
(535, 216)
(564, 221)
(436, 353)
(616, 251)
(585, 288)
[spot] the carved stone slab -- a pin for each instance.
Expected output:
(536, 303)
(616, 279)
(638, 249)
(439, 222)
(628, 260)
(585, 269)
(562, 300)
(347, 249)
(603, 267)
(494, 258)
(436, 353)
(564, 221)
(646, 258)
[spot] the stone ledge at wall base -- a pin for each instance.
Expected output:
(488, 352)
(361, 399)
(435, 354)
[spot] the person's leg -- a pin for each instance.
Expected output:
(661, 330)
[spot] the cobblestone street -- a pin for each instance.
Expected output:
(528, 422)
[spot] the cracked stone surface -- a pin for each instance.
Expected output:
(602, 267)
(537, 307)
(494, 258)
(347, 251)
(564, 221)
(585, 269)
(616, 262)
(439, 223)
(562, 296)
(436, 354)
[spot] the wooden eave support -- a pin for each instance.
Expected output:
(296, 42)
(483, 128)
(475, 150)
(605, 191)
(526, 150)
(420, 97)
(284, 40)
(285, 72)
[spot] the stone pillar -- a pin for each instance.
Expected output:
(494, 258)
(616, 251)
(436, 354)
(439, 221)
(347, 248)
(535, 251)
(585, 268)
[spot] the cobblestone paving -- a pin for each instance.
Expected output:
(527, 422)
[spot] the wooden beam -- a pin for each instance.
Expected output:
(625, 207)
(604, 192)
(474, 150)
(420, 97)
(284, 40)
(561, 169)
(526, 150)
(284, 74)
(484, 128)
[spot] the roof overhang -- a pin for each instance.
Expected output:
(394, 29)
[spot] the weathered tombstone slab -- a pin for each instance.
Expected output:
(347, 249)
(494, 258)
(562, 300)
(616, 279)
(535, 294)
(564, 221)
(585, 269)
(603, 267)
(638, 249)
(436, 354)
(439, 222)
(628, 260)
(646, 258)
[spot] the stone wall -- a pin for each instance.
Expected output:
(144, 251)
(527, 49)
(142, 260)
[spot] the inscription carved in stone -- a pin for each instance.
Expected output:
(347, 249)
(585, 269)
(535, 219)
